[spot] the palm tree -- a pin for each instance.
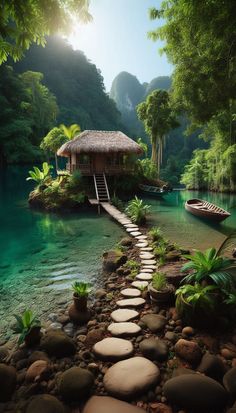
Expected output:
(70, 131)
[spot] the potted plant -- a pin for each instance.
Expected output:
(28, 326)
(197, 304)
(78, 311)
(159, 289)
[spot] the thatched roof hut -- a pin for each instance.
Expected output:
(94, 152)
(92, 141)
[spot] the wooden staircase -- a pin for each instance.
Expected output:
(101, 188)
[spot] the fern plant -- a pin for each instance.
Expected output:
(137, 210)
(211, 268)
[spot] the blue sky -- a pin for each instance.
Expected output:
(117, 40)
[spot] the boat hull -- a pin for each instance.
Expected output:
(208, 214)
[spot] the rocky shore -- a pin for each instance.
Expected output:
(131, 357)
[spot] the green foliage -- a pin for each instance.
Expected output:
(194, 299)
(117, 202)
(74, 181)
(40, 176)
(158, 118)
(159, 281)
(25, 323)
(81, 288)
(27, 22)
(155, 233)
(137, 210)
(132, 265)
(210, 267)
(148, 169)
(70, 131)
(53, 140)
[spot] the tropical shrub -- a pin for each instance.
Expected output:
(81, 288)
(117, 203)
(40, 176)
(159, 281)
(210, 267)
(155, 233)
(25, 324)
(137, 210)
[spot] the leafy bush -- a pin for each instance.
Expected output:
(211, 268)
(117, 203)
(25, 323)
(159, 281)
(155, 233)
(40, 176)
(137, 210)
(132, 265)
(74, 180)
(81, 288)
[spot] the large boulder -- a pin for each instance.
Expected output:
(113, 260)
(75, 384)
(212, 366)
(188, 351)
(103, 404)
(7, 382)
(58, 344)
(154, 349)
(45, 403)
(128, 378)
(194, 391)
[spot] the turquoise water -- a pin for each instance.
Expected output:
(187, 230)
(41, 254)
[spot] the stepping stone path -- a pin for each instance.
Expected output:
(131, 302)
(140, 284)
(113, 349)
(144, 276)
(131, 292)
(124, 329)
(122, 315)
(128, 378)
(131, 376)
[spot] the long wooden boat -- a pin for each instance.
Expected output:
(154, 190)
(205, 209)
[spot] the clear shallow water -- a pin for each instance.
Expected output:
(41, 254)
(184, 228)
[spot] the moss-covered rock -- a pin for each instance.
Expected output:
(113, 260)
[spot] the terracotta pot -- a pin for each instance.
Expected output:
(33, 337)
(162, 297)
(80, 303)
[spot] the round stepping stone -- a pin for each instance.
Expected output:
(147, 270)
(146, 255)
(149, 267)
(132, 229)
(141, 237)
(113, 349)
(131, 302)
(140, 284)
(144, 276)
(148, 249)
(124, 329)
(125, 222)
(128, 378)
(124, 314)
(149, 262)
(129, 225)
(141, 244)
(130, 292)
(134, 234)
(105, 404)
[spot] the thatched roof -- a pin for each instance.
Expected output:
(93, 141)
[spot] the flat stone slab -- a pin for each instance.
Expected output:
(124, 329)
(125, 222)
(147, 270)
(154, 322)
(113, 349)
(150, 267)
(148, 249)
(146, 255)
(105, 404)
(141, 244)
(131, 292)
(144, 276)
(135, 233)
(129, 229)
(141, 237)
(130, 225)
(123, 315)
(131, 302)
(148, 262)
(140, 284)
(131, 377)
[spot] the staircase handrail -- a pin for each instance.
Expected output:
(108, 195)
(95, 184)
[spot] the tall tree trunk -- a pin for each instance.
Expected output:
(56, 161)
(154, 151)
